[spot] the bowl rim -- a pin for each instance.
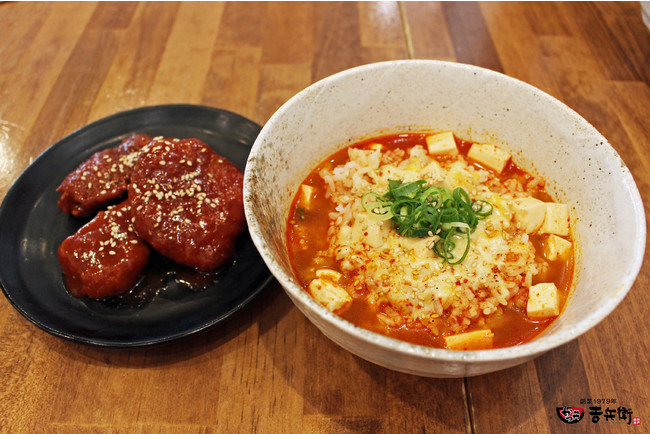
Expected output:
(533, 348)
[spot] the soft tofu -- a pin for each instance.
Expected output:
(543, 301)
(490, 156)
(442, 143)
(328, 274)
(529, 213)
(420, 247)
(306, 194)
(557, 248)
(556, 220)
(476, 340)
(433, 170)
(329, 294)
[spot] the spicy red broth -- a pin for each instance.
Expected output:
(375, 303)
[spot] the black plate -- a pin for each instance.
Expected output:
(32, 228)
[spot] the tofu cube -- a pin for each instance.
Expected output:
(306, 194)
(556, 220)
(329, 294)
(557, 248)
(543, 301)
(529, 213)
(433, 170)
(489, 156)
(442, 144)
(476, 340)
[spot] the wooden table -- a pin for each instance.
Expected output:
(267, 369)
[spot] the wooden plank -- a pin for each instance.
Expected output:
(338, 41)
(242, 23)
(233, 80)
(71, 96)
(426, 31)
(264, 363)
(34, 62)
(618, 41)
(278, 83)
(287, 33)
(511, 398)
(142, 44)
(380, 24)
(267, 368)
(470, 36)
(19, 28)
(186, 60)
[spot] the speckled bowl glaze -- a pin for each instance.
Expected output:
(544, 135)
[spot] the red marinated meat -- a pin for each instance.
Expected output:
(101, 179)
(105, 257)
(187, 202)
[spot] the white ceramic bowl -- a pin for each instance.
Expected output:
(545, 137)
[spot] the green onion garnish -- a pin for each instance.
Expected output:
(418, 211)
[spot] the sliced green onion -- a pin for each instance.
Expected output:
(376, 207)
(418, 211)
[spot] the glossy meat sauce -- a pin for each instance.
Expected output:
(184, 200)
(101, 179)
(105, 257)
(187, 202)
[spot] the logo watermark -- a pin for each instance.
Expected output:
(600, 411)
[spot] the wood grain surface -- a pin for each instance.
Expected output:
(267, 369)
